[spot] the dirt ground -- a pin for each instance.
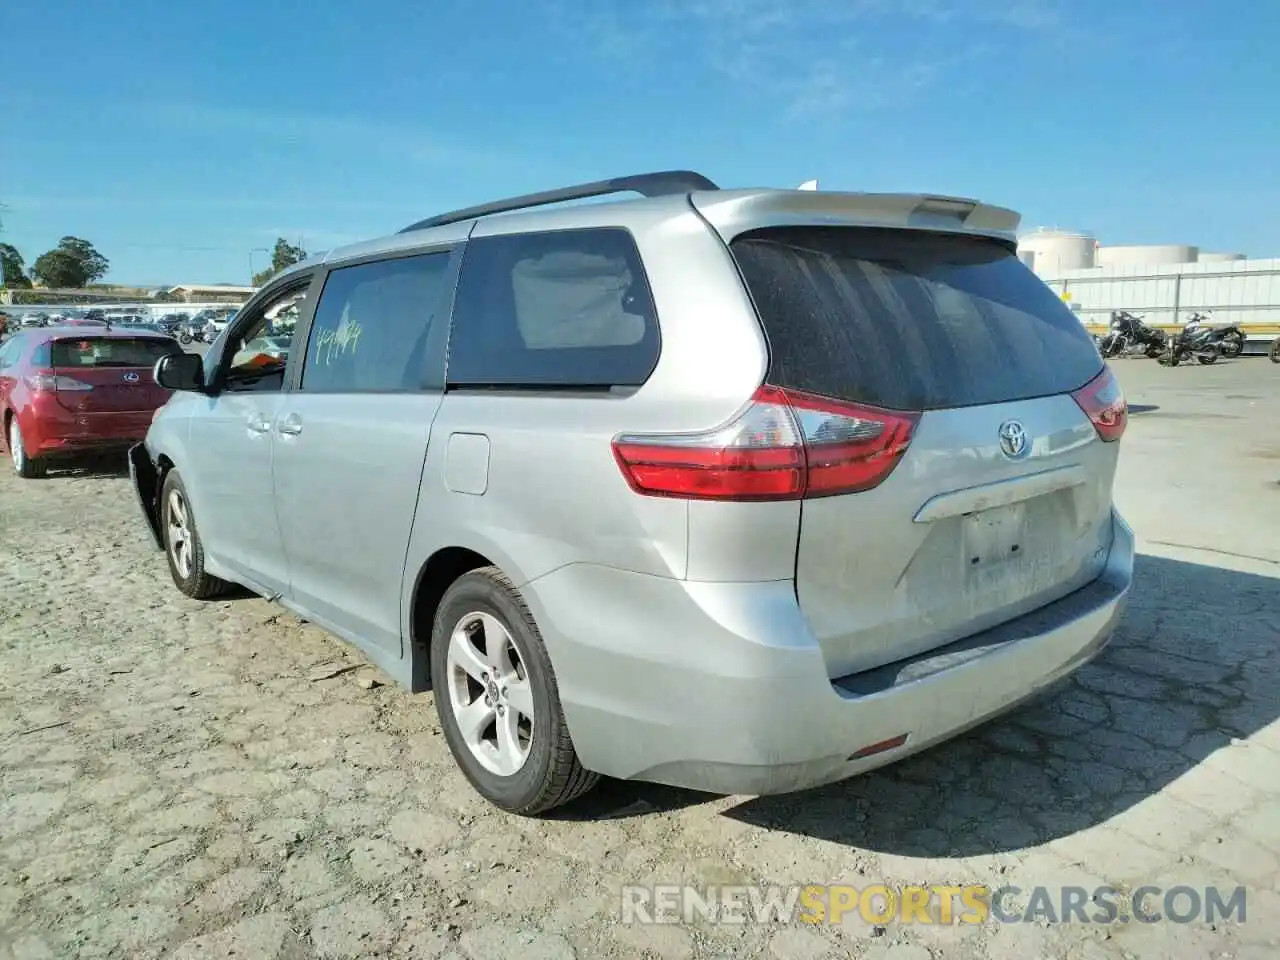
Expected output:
(205, 780)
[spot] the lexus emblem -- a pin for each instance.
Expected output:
(131, 377)
(1013, 440)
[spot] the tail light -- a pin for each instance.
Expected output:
(785, 445)
(45, 382)
(1104, 404)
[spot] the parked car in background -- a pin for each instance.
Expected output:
(191, 329)
(74, 390)
(744, 491)
(216, 325)
(142, 326)
(276, 347)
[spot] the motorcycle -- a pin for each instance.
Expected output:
(184, 337)
(1229, 338)
(1129, 334)
(1233, 339)
(1194, 340)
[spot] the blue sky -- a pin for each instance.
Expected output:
(179, 137)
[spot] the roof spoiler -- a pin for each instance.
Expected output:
(732, 211)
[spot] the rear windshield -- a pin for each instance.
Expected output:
(111, 351)
(910, 321)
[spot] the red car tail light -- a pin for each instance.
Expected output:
(786, 445)
(1104, 404)
(44, 381)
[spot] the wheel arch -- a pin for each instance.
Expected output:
(440, 571)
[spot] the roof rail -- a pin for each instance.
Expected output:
(661, 184)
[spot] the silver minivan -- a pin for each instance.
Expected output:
(738, 490)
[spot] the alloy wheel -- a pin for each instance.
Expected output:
(490, 694)
(179, 534)
(16, 450)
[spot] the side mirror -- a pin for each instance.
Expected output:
(180, 371)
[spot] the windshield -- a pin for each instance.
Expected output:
(111, 351)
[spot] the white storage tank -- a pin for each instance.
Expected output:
(1220, 257)
(1052, 251)
(1147, 256)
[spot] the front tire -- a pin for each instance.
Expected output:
(1233, 346)
(497, 698)
(1209, 356)
(29, 468)
(1274, 352)
(182, 545)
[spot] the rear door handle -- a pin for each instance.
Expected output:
(258, 423)
(290, 426)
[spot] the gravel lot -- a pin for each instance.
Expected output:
(181, 779)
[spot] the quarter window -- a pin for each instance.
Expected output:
(372, 325)
(565, 309)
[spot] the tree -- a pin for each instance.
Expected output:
(73, 263)
(284, 255)
(14, 268)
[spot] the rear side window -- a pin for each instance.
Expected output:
(909, 321)
(372, 325)
(110, 351)
(570, 308)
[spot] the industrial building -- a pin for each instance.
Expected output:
(1163, 283)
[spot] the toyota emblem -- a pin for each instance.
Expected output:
(1013, 440)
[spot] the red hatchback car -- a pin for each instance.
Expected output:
(77, 390)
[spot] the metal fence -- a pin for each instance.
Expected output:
(144, 308)
(1245, 293)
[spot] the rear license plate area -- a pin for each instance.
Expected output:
(995, 539)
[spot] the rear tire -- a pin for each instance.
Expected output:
(29, 468)
(490, 673)
(1233, 346)
(183, 548)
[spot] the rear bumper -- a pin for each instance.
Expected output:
(721, 687)
(58, 432)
